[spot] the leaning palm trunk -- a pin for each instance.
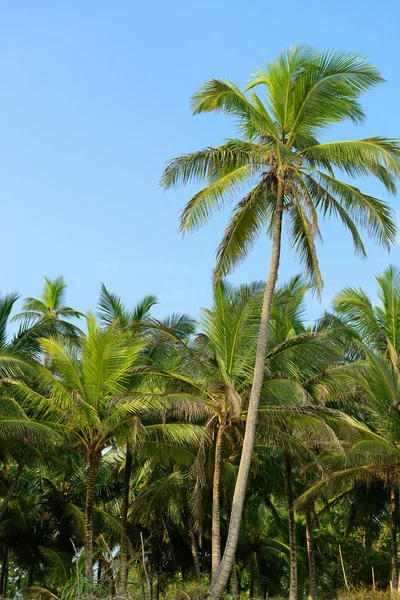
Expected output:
(312, 586)
(292, 531)
(12, 487)
(228, 558)
(394, 504)
(93, 466)
(123, 568)
(216, 505)
(234, 581)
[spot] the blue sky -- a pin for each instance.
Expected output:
(95, 100)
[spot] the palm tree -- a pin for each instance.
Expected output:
(112, 311)
(87, 395)
(291, 418)
(290, 173)
(20, 435)
(230, 331)
(372, 388)
(379, 328)
(217, 369)
(50, 310)
(134, 323)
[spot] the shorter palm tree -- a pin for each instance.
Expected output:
(50, 310)
(87, 396)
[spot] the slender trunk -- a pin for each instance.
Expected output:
(93, 466)
(312, 585)
(145, 568)
(12, 487)
(235, 583)
(4, 574)
(394, 503)
(193, 547)
(292, 531)
(216, 505)
(124, 543)
(241, 482)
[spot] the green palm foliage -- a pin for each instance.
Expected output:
(86, 395)
(304, 93)
(50, 310)
(284, 172)
(378, 326)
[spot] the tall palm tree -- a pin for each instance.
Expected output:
(290, 174)
(86, 393)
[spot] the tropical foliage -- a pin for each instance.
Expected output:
(247, 452)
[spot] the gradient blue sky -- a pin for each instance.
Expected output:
(95, 99)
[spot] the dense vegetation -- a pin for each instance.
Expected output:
(248, 451)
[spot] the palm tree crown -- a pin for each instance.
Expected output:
(278, 157)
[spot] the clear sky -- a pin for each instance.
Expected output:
(95, 99)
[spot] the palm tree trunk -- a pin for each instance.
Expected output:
(312, 586)
(193, 547)
(123, 553)
(234, 580)
(292, 531)
(93, 466)
(124, 544)
(235, 583)
(4, 574)
(216, 505)
(12, 487)
(228, 558)
(394, 503)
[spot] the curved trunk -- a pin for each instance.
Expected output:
(292, 531)
(394, 504)
(12, 487)
(216, 505)
(234, 580)
(93, 466)
(124, 543)
(312, 586)
(228, 558)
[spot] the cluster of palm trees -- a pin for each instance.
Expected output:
(218, 451)
(128, 437)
